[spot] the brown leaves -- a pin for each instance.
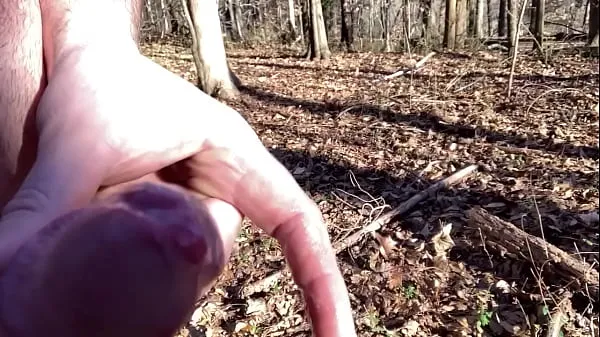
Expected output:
(539, 158)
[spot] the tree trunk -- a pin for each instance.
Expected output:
(407, 24)
(510, 241)
(166, 22)
(371, 19)
(428, 21)
(237, 11)
(490, 19)
(347, 36)
(512, 18)
(292, 19)
(214, 76)
(479, 16)
(319, 49)
(538, 31)
(385, 14)
(462, 23)
(502, 18)
(450, 28)
(593, 23)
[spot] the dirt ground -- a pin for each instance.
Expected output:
(361, 145)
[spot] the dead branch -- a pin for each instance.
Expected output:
(504, 237)
(404, 207)
(413, 68)
(380, 222)
(516, 47)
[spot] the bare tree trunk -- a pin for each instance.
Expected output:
(462, 21)
(214, 76)
(490, 19)
(512, 18)
(301, 23)
(428, 21)
(479, 16)
(166, 26)
(318, 36)
(450, 28)
(593, 23)
(237, 13)
(292, 19)
(407, 24)
(385, 22)
(540, 8)
(371, 19)
(347, 31)
(502, 18)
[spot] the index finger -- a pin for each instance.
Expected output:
(242, 172)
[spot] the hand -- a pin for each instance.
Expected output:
(107, 120)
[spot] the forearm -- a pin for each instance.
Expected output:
(107, 24)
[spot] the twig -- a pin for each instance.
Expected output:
(409, 71)
(263, 284)
(405, 207)
(516, 48)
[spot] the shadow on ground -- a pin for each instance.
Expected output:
(427, 122)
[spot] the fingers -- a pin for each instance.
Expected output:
(58, 182)
(261, 188)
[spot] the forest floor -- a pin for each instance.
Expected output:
(361, 145)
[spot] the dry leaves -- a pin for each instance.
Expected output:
(381, 143)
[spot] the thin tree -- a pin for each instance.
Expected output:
(479, 16)
(512, 18)
(317, 35)
(462, 23)
(593, 23)
(386, 23)
(214, 76)
(347, 29)
(450, 27)
(538, 31)
(502, 18)
(292, 19)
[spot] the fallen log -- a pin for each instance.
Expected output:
(508, 238)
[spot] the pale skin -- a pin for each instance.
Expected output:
(81, 111)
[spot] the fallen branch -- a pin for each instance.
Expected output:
(404, 207)
(408, 71)
(265, 283)
(504, 237)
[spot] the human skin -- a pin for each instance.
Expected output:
(109, 116)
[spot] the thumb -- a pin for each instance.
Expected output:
(62, 179)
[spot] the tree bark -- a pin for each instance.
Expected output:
(292, 19)
(538, 32)
(504, 237)
(593, 23)
(319, 49)
(428, 21)
(347, 31)
(371, 19)
(385, 21)
(479, 17)
(450, 28)
(462, 23)
(214, 76)
(502, 18)
(512, 19)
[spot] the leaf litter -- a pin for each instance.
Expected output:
(360, 144)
